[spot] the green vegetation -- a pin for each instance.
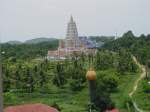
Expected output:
(138, 46)
(62, 83)
(142, 96)
(126, 83)
(27, 51)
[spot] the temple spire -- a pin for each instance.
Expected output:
(72, 34)
(71, 18)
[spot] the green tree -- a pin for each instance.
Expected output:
(30, 81)
(59, 78)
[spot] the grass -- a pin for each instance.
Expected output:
(68, 102)
(126, 83)
(142, 98)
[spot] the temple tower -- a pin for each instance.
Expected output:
(72, 35)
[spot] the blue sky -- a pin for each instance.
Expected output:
(26, 19)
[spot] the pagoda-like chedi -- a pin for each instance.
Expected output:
(72, 44)
(72, 40)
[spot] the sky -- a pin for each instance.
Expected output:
(26, 19)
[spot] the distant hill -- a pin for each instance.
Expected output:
(102, 38)
(14, 42)
(28, 51)
(98, 39)
(39, 40)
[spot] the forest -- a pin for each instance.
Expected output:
(30, 78)
(27, 51)
(138, 46)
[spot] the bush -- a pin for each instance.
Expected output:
(92, 107)
(128, 101)
(55, 105)
(146, 87)
(76, 85)
(9, 97)
(108, 82)
(45, 88)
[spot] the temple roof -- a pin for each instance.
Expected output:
(30, 108)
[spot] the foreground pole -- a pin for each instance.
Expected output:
(91, 77)
(1, 83)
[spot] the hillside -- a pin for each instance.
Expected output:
(62, 83)
(39, 40)
(14, 42)
(31, 41)
(139, 46)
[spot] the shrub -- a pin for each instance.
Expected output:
(9, 97)
(76, 85)
(55, 105)
(146, 87)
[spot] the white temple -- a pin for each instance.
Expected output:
(71, 44)
(72, 35)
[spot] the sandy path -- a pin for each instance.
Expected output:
(142, 75)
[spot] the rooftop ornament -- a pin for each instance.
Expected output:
(91, 77)
(91, 74)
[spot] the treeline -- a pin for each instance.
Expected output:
(27, 51)
(138, 46)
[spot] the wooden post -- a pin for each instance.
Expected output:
(92, 90)
(1, 83)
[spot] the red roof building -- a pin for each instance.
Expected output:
(113, 110)
(30, 108)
